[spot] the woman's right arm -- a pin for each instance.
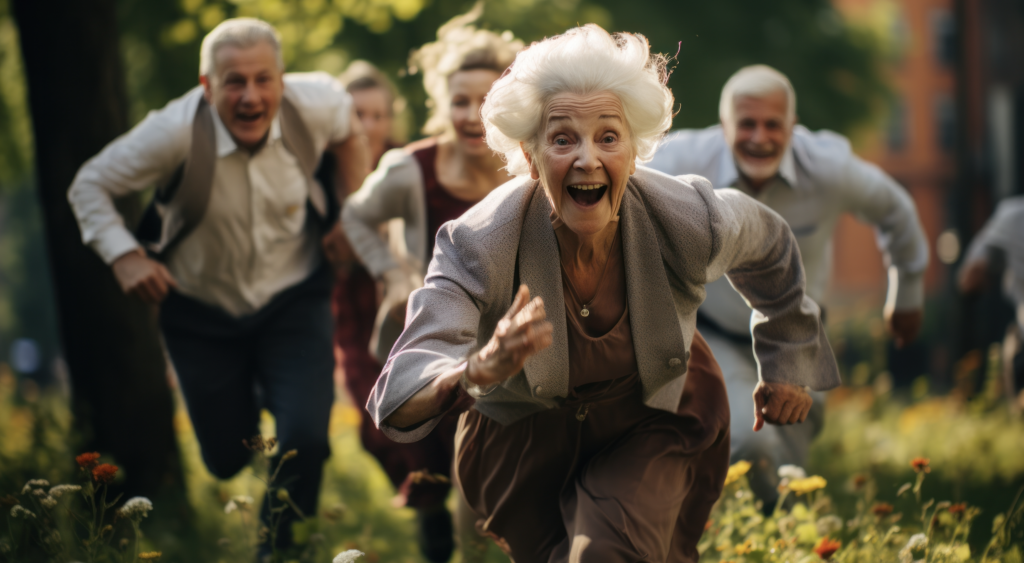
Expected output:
(521, 333)
(384, 195)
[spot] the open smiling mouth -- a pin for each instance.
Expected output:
(587, 195)
(249, 117)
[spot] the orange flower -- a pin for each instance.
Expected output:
(707, 525)
(859, 481)
(104, 473)
(87, 460)
(920, 464)
(826, 548)
(882, 509)
(958, 508)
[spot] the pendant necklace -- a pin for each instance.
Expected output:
(585, 311)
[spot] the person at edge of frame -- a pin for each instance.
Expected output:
(237, 247)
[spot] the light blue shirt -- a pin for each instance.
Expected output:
(819, 179)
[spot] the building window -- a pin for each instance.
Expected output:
(896, 130)
(945, 122)
(944, 37)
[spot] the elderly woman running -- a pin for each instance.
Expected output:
(588, 440)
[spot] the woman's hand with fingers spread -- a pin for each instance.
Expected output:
(521, 333)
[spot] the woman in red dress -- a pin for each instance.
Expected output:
(425, 185)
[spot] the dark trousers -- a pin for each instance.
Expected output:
(279, 358)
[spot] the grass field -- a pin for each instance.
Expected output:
(975, 448)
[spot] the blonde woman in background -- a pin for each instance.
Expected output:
(427, 184)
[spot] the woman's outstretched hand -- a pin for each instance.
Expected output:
(780, 403)
(521, 333)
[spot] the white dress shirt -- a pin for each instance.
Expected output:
(254, 240)
(1005, 231)
(819, 179)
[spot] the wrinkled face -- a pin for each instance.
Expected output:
(583, 158)
(246, 88)
(373, 106)
(759, 134)
(467, 89)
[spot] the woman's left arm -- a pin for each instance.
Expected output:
(757, 251)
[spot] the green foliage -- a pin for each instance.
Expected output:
(834, 67)
(866, 494)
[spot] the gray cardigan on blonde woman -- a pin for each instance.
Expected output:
(393, 191)
(677, 235)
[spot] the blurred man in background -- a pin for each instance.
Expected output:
(810, 179)
(1000, 246)
(237, 239)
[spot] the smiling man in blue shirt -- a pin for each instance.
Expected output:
(810, 179)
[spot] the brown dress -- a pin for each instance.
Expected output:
(604, 477)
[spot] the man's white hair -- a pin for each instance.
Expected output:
(755, 81)
(241, 33)
(584, 60)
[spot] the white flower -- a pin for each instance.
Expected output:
(34, 483)
(19, 510)
(916, 542)
(243, 501)
(792, 472)
(48, 502)
(59, 490)
(136, 507)
(39, 492)
(828, 525)
(230, 507)
(348, 556)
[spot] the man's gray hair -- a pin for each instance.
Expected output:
(755, 81)
(237, 32)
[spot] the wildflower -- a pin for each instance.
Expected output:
(792, 472)
(259, 444)
(243, 501)
(920, 464)
(882, 509)
(48, 502)
(744, 548)
(348, 556)
(59, 490)
(34, 483)
(150, 555)
(707, 525)
(826, 548)
(737, 470)
(808, 485)
(230, 507)
(829, 525)
(20, 510)
(958, 509)
(87, 460)
(136, 508)
(859, 481)
(104, 473)
(917, 542)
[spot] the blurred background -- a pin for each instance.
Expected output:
(930, 90)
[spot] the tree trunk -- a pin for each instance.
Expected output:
(76, 89)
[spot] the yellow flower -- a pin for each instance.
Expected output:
(737, 470)
(808, 485)
(150, 555)
(745, 548)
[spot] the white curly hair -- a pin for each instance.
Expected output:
(459, 46)
(584, 60)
